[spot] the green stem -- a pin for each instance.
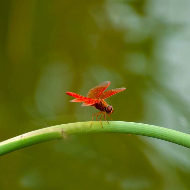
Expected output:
(61, 131)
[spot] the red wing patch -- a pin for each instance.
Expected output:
(79, 98)
(109, 93)
(97, 91)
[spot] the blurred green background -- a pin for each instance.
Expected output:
(49, 47)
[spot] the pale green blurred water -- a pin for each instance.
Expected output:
(50, 47)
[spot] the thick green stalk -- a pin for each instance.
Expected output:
(61, 131)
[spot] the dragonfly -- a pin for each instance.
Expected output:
(96, 98)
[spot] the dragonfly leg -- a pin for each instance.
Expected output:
(101, 118)
(96, 117)
(110, 117)
(92, 118)
(105, 118)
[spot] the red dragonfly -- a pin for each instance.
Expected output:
(96, 97)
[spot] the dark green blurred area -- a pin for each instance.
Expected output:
(50, 47)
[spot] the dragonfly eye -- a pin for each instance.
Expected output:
(109, 109)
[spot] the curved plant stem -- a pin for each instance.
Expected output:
(61, 131)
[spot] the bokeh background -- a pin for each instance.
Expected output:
(48, 47)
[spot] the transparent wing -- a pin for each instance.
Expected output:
(97, 91)
(109, 93)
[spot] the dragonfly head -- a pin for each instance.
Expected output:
(109, 110)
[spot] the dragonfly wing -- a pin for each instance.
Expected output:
(85, 104)
(97, 91)
(75, 95)
(88, 104)
(109, 93)
(79, 98)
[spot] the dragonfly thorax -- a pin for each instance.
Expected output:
(102, 106)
